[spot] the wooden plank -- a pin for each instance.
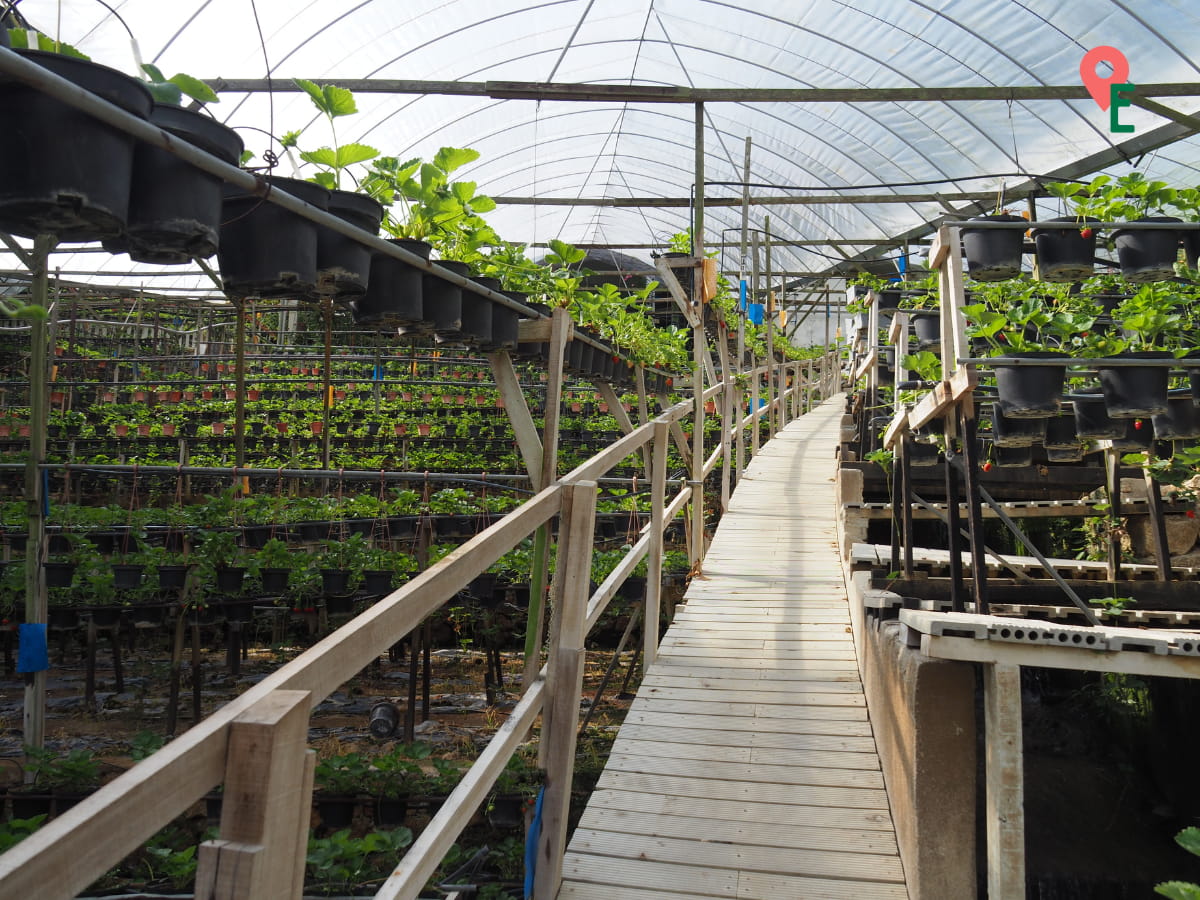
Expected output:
(773, 834)
(730, 695)
(761, 773)
(719, 855)
(259, 848)
(942, 397)
(745, 810)
(895, 428)
(715, 707)
(685, 668)
(580, 890)
(831, 759)
(753, 885)
(734, 681)
(783, 794)
(645, 875)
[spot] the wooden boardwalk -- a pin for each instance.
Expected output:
(746, 767)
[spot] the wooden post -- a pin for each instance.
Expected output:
(564, 679)
(524, 429)
(729, 414)
(1112, 478)
(560, 333)
(1158, 525)
(1003, 754)
(34, 717)
(264, 817)
(696, 545)
(754, 384)
(658, 490)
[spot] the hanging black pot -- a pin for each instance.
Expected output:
(1148, 254)
(1064, 254)
(391, 811)
(59, 575)
(927, 325)
(1030, 391)
(1008, 432)
(172, 578)
(265, 250)
(1191, 247)
(343, 264)
(1139, 435)
(127, 578)
(393, 297)
(1013, 457)
(1179, 423)
(922, 454)
(993, 254)
(274, 581)
(1132, 392)
(66, 173)
(1092, 422)
(378, 581)
(229, 578)
(1071, 454)
(505, 324)
(442, 304)
(175, 207)
(335, 581)
(1060, 433)
(477, 312)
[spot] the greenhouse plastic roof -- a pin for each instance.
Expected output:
(609, 149)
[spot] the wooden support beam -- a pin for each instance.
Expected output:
(524, 428)
(1004, 767)
(560, 718)
(942, 397)
(538, 331)
(618, 412)
(260, 849)
(658, 488)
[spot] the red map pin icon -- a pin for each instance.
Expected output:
(1098, 86)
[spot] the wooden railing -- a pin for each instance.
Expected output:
(256, 744)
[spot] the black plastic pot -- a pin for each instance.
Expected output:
(174, 207)
(1013, 457)
(127, 578)
(343, 264)
(993, 254)
(336, 812)
(391, 811)
(59, 575)
(265, 250)
(1148, 254)
(335, 581)
(1138, 435)
(1179, 423)
(1065, 454)
(1191, 247)
(1064, 254)
(1134, 392)
(229, 578)
(1008, 432)
(1092, 422)
(66, 173)
(505, 324)
(922, 454)
(393, 296)
(1060, 433)
(442, 303)
(274, 581)
(378, 581)
(172, 578)
(1030, 391)
(928, 328)
(477, 312)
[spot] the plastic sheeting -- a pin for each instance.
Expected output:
(613, 149)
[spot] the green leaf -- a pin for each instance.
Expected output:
(432, 177)
(166, 93)
(450, 158)
(325, 180)
(1178, 890)
(1189, 840)
(154, 72)
(246, 156)
(463, 191)
(338, 101)
(323, 156)
(195, 88)
(47, 43)
(347, 154)
(290, 139)
(312, 90)
(566, 252)
(483, 204)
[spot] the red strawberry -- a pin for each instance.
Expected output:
(987, 466)
(1137, 424)
(1086, 233)
(1191, 514)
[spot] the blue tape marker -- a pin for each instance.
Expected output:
(32, 653)
(531, 844)
(742, 295)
